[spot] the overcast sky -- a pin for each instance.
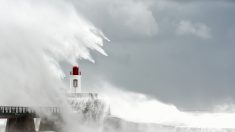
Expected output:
(179, 51)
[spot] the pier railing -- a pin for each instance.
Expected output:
(14, 111)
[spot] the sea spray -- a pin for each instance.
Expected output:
(132, 111)
(35, 37)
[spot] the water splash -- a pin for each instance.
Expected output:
(34, 37)
(89, 105)
(138, 112)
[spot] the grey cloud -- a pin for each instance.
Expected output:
(197, 29)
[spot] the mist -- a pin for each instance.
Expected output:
(35, 37)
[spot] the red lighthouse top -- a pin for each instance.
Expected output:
(76, 71)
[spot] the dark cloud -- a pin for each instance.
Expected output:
(147, 55)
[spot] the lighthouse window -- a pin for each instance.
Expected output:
(75, 83)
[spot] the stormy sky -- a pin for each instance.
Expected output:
(178, 51)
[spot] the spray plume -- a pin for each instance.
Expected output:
(34, 37)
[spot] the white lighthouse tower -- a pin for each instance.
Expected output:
(75, 81)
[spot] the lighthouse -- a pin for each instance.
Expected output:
(75, 81)
(86, 103)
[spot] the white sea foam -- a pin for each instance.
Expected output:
(139, 108)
